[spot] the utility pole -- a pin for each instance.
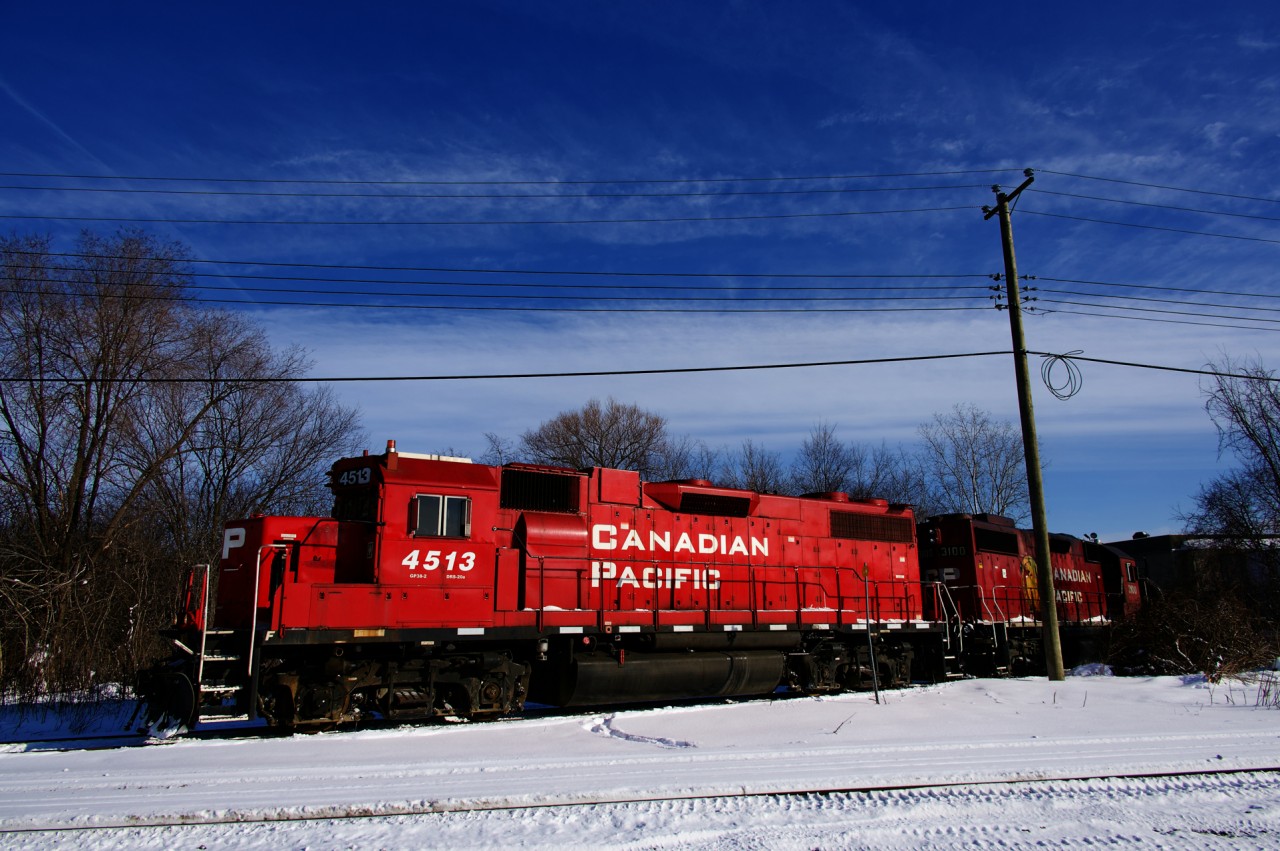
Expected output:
(1030, 443)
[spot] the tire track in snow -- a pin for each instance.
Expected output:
(605, 726)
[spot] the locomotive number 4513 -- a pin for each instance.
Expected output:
(361, 476)
(434, 559)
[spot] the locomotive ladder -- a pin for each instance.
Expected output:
(225, 677)
(995, 657)
(953, 635)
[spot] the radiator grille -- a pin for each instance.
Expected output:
(717, 504)
(991, 541)
(532, 490)
(872, 527)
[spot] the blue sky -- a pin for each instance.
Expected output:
(925, 104)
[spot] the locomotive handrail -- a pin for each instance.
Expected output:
(952, 611)
(193, 605)
(253, 620)
(756, 596)
(945, 603)
(1003, 618)
(204, 621)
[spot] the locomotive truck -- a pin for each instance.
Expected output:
(443, 588)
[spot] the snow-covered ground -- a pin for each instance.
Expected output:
(977, 763)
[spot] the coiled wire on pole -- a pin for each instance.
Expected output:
(1074, 380)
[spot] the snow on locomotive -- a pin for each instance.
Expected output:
(987, 583)
(442, 588)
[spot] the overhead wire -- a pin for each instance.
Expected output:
(726, 296)
(522, 375)
(512, 307)
(504, 196)
(1152, 205)
(1122, 310)
(479, 222)
(1150, 299)
(1052, 357)
(611, 296)
(1187, 231)
(545, 182)
(1197, 290)
(1158, 367)
(509, 271)
(1051, 311)
(1147, 185)
(789, 288)
(1155, 310)
(1071, 384)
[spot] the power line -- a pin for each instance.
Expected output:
(1153, 310)
(1151, 287)
(596, 182)
(525, 375)
(596, 296)
(1149, 227)
(515, 308)
(513, 284)
(1067, 357)
(1160, 186)
(1153, 300)
(1070, 356)
(1154, 206)
(1048, 311)
(456, 222)
(495, 271)
(498, 196)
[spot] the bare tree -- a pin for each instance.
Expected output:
(612, 434)
(265, 445)
(499, 449)
(686, 458)
(128, 431)
(755, 468)
(974, 464)
(1243, 400)
(824, 463)
(879, 471)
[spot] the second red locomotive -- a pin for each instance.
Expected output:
(986, 572)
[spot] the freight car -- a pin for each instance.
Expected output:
(987, 584)
(443, 588)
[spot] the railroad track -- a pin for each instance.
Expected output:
(1266, 780)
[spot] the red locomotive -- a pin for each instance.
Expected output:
(988, 584)
(445, 588)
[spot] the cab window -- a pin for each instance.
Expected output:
(441, 516)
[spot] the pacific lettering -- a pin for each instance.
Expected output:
(651, 578)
